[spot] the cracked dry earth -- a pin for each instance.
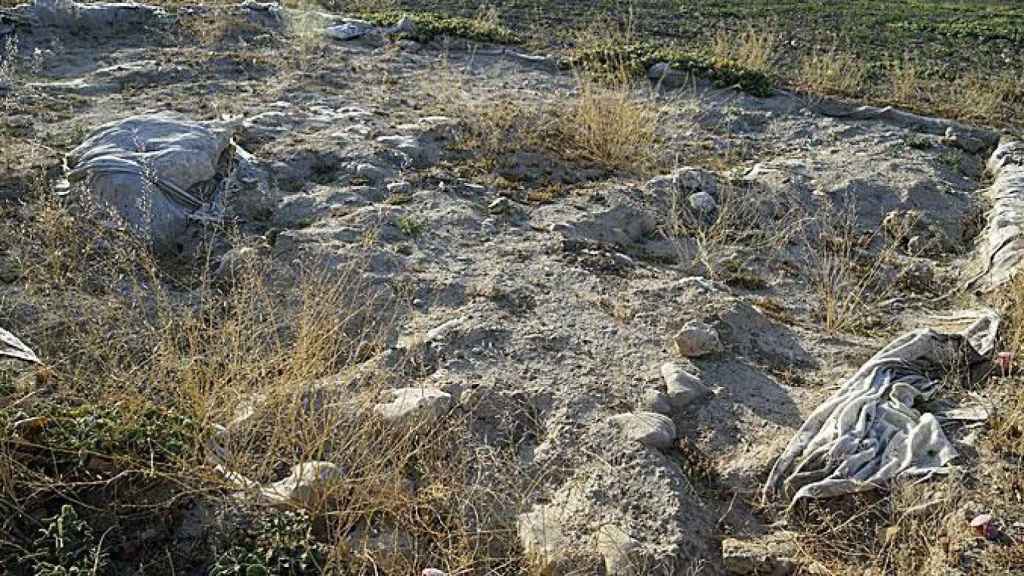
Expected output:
(547, 321)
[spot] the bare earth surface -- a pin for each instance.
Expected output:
(546, 319)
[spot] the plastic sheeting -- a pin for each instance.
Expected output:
(871, 431)
(12, 347)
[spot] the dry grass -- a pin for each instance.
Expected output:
(611, 126)
(914, 529)
(144, 363)
(744, 227)
(753, 49)
(832, 72)
(1007, 426)
(985, 98)
(906, 81)
(614, 126)
(850, 279)
(214, 27)
(356, 6)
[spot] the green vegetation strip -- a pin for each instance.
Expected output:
(636, 59)
(429, 26)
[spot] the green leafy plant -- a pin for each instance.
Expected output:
(68, 547)
(277, 543)
(411, 226)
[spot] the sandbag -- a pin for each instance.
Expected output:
(904, 119)
(102, 17)
(1002, 248)
(161, 173)
(871, 432)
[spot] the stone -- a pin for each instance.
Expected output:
(370, 172)
(663, 74)
(233, 264)
(424, 403)
(618, 549)
(544, 543)
(348, 30)
(404, 27)
(770, 556)
(686, 180)
(696, 339)
(683, 388)
(298, 210)
(99, 17)
(648, 428)
(500, 206)
(656, 401)
(704, 207)
(965, 142)
(401, 187)
(309, 484)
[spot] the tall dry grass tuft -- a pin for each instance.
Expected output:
(605, 122)
(612, 125)
(752, 49)
(832, 72)
(907, 81)
(913, 529)
(984, 98)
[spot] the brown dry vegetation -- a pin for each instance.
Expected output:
(613, 126)
(145, 362)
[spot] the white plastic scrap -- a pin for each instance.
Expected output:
(870, 432)
(349, 30)
(12, 347)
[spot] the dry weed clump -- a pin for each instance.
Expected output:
(849, 279)
(751, 49)
(1006, 434)
(907, 81)
(916, 528)
(983, 98)
(832, 72)
(215, 26)
(148, 361)
(611, 126)
(745, 223)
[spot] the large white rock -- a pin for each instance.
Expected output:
(647, 428)
(427, 404)
(618, 549)
(544, 544)
(697, 339)
(682, 387)
(309, 484)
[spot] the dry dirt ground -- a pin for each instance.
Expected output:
(545, 289)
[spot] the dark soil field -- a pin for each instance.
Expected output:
(945, 42)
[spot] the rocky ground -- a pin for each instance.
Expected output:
(646, 342)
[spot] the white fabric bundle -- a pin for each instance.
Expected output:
(870, 432)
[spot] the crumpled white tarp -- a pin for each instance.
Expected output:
(160, 172)
(871, 431)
